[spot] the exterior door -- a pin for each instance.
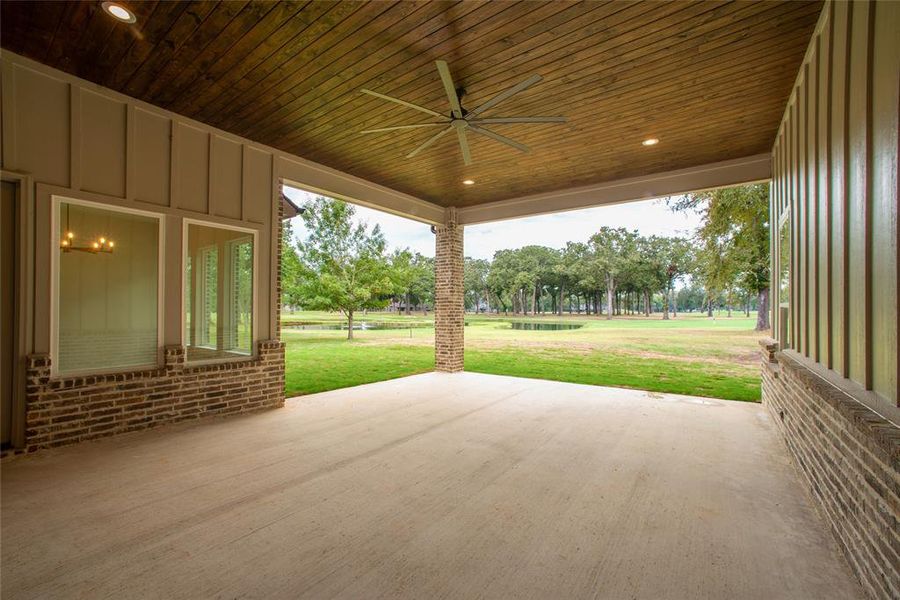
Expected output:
(7, 307)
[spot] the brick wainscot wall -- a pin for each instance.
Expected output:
(849, 458)
(66, 410)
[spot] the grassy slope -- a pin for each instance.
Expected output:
(689, 355)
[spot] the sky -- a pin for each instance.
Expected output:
(649, 217)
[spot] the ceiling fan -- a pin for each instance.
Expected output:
(462, 120)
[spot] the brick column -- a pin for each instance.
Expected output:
(449, 308)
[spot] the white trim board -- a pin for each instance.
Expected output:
(720, 174)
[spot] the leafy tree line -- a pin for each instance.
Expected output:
(724, 265)
(344, 266)
(615, 271)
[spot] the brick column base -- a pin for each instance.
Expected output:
(449, 307)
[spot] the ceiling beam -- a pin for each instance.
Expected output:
(738, 171)
(319, 179)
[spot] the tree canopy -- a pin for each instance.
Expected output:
(733, 241)
(342, 264)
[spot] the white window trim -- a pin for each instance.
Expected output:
(55, 202)
(198, 299)
(254, 295)
(232, 246)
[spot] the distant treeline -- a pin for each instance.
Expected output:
(342, 265)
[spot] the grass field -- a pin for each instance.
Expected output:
(692, 354)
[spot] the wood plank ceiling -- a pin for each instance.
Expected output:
(709, 79)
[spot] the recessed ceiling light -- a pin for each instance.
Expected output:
(119, 12)
(468, 182)
(650, 142)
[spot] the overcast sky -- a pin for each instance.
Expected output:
(649, 217)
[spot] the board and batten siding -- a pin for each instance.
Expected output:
(74, 138)
(834, 165)
(81, 141)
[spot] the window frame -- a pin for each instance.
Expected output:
(55, 203)
(199, 298)
(254, 324)
(785, 325)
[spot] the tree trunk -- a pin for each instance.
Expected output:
(709, 308)
(610, 293)
(350, 325)
(666, 305)
(559, 304)
(762, 310)
(408, 307)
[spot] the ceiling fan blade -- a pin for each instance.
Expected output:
(429, 142)
(447, 80)
(504, 95)
(395, 128)
(519, 120)
(404, 103)
(464, 145)
(500, 138)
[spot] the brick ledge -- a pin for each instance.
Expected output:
(878, 433)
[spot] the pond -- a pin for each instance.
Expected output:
(357, 325)
(529, 326)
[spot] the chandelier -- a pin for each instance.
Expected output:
(67, 244)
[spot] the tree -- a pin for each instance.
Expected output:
(411, 274)
(291, 269)
(475, 284)
(645, 273)
(502, 279)
(568, 271)
(677, 261)
(735, 239)
(536, 264)
(343, 264)
(422, 291)
(612, 249)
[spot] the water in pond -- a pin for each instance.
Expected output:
(357, 325)
(527, 326)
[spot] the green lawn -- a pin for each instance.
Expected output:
(321, 364)
(688, 355)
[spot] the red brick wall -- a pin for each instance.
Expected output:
(66, 410)
(849, 457)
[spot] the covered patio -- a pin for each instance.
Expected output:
(438, 485)
(143, 152)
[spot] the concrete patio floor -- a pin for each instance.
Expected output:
(432, 486)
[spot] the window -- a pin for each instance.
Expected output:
(107, 281)
(219, 292)
(784, 282)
